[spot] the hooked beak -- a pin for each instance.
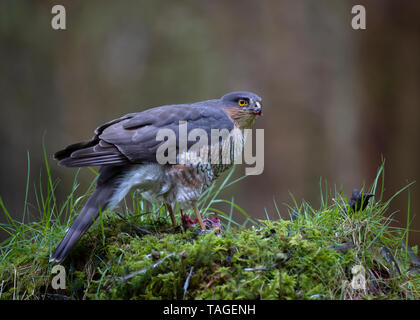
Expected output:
(257, 109)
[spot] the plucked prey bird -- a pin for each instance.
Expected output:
(127, 149)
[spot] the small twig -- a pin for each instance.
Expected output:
(187, 282)
(261, 268)
(129, 276)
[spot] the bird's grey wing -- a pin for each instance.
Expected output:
(93, 152)
(132, 138)
(136, 137)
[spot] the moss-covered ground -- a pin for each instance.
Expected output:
(325, 253)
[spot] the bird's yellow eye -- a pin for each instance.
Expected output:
(242, 102)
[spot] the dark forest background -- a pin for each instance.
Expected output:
(335, 100)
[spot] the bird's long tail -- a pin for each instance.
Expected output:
(99, 200)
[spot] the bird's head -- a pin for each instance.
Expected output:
(243, 107)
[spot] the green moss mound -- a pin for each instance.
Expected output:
(326, 253)
(274, 260)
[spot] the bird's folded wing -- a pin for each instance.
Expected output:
(132, 138)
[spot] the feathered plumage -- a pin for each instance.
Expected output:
(126, 148)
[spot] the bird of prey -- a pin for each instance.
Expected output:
(359, 200)
(126, 149)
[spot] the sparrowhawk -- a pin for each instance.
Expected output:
(126, 149)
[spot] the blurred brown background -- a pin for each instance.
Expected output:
(335, 99)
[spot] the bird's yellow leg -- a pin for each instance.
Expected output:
(171, 213)
(197, 213)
